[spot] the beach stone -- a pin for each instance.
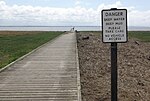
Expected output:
(137, 42)
(85, 37)
(148, 58)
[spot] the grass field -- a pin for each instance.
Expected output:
(141, 35)
(16, 44)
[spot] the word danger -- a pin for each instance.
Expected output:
(114, 14)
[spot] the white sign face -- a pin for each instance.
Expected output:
(114, 25)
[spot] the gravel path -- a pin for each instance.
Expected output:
(133, 69)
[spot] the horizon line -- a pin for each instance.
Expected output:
(63, 26)
(46, 26)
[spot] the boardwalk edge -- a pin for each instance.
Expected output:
(22, 57)
(78, 73)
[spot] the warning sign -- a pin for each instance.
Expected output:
(114, 25)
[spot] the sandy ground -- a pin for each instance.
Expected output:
(133, 69)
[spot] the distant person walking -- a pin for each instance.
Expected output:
(72, 29)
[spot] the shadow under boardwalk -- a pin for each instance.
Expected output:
(48, 74)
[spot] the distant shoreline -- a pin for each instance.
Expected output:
(64, 28)
(50, 26)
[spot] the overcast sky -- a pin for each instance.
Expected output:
(69, 12)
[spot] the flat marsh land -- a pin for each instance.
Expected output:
(133, 67)
(14, 44)
(141, 35)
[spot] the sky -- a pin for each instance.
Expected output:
(69, 12)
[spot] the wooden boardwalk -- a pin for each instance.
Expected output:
(50, 73)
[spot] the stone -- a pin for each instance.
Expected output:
(137, 42)
(85, 37)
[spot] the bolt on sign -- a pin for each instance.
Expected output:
(114, 25)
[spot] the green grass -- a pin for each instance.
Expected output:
(13, 46)
(141, 35)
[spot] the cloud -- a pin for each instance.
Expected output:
(29, 15)
(77, 2)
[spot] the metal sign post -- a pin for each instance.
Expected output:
(114, 72)
(114, 30)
